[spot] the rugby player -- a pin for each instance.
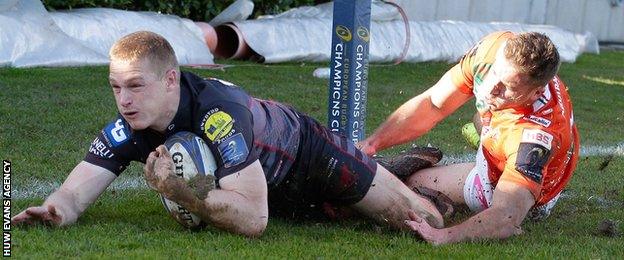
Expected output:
(529, 142)
(269, 156)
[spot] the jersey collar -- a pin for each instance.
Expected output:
(182, 119)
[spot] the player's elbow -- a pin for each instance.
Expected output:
(255, 228)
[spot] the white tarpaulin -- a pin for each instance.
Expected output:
(99, 28)
(30, 36)
(304, 34)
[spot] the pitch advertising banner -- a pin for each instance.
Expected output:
(348, 79)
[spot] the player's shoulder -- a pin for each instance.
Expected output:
(212, 90)
(221, 83)
(488, 45)
(196, 81)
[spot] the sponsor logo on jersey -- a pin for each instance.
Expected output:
(533, 153)
(233, 150)
(536, 136)
(344, 33)
(531, 160)
(117, 133)
(218, 125)
(100, 149)
(539, 120)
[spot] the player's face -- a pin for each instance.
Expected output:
(139, 93)
(508, 88)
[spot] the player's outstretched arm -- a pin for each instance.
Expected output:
(416, 116)
(240, 205)
(510, 204)
(82, 187)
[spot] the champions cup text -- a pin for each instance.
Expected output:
(349, 68)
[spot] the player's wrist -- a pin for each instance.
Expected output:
(367, 146)
(443, 237)
(62, 202)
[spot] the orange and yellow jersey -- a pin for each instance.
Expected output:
(536, 147)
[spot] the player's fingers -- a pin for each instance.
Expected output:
(163, 167)
(518, 231)
(365, 148)
(21, 218)
(413, 225)
(163, 151)
(413, 216)
(148, 171)
(149, 162)
(37, 212)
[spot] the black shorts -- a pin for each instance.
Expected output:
(328, 169)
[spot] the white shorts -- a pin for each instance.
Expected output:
(478, 190)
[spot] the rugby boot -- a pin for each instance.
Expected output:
(408, 162)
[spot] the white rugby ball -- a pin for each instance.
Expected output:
(191, 157)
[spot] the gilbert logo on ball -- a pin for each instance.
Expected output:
(194, 162)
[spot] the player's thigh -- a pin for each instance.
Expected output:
(390, 197)
(449, 179)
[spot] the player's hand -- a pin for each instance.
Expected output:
(159, 174)
(365, 147)
(46, 215)
(426, 231)
(158, 167)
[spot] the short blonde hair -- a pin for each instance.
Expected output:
(146, 46)
(533, 54)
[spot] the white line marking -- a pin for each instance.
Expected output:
(40, 189)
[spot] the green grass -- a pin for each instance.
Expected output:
(49, 117)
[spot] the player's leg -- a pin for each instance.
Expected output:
(465, 183)
(388, 200)
(338, 173)
(449, 180)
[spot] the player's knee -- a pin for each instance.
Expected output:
(419, 179)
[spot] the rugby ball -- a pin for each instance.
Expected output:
(192, 160)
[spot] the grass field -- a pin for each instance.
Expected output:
(50, 115)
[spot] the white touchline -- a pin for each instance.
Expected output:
(40, 189)
(592, 150)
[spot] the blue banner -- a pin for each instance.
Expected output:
(348, 79)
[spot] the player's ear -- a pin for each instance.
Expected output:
(171, 78)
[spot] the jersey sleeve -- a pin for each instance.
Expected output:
(461, 74)
(529, 153)
(110, 148)
(227, 128)
(477, 60)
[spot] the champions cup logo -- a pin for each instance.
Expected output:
(343, 33)
(363, 33)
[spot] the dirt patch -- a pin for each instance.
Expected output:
(608, 228)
